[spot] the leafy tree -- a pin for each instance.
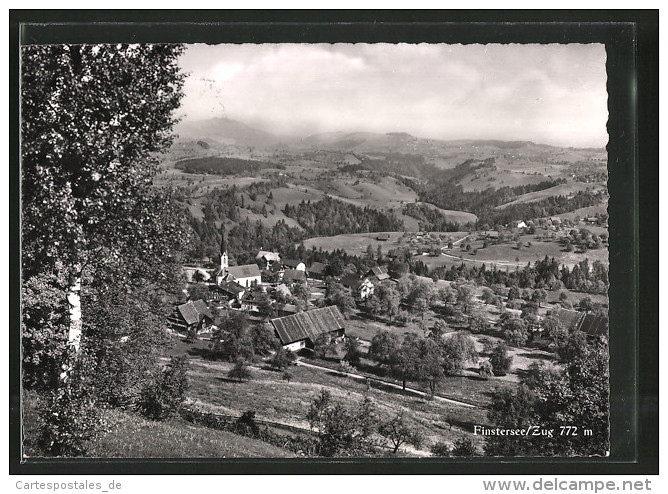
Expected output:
(539, 296)
(404, 360)
(353, 353)
(94, 118)
(511, 409)
(500, 360)
(515, 331)
(339, 296)
(246, 424)
(323, 344)
(282, 359)
(514, 292)
(485, 369)
(232, 340)
(287, 376)
(383, 347)
(388, 298)
(240, 371)
(478, 321)
(162, 398)
(263, 339)
(398, 431)
(429, 364)
(342, 431)
(457, 350)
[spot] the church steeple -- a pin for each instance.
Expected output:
(224, 260)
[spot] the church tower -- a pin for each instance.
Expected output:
(224, 260)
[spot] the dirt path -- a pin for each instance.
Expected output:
(386, 383)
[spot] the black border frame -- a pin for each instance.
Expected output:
(631, 39)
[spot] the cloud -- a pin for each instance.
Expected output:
(548, 93)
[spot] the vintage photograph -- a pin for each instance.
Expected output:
(343, 250)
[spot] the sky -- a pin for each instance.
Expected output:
(553, 94)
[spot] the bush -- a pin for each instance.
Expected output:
(464, 447)
(440, 449)
(162, 397)
(246, 425)
(240, 371)
(69, 417)
(485, 370)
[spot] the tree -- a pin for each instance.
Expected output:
(511, 409)
(539, 296)
(383, 347)
(500, 360)
(232, 340)
(263, 339)
(478, 321)
(429, 364)
(163, 397)
(240, 371)
(457, 350)
(515, 331)
(440, 449)
(339, 296)
(485, 369)
(323, 343)
(398, 431)
(282, 359)
(514, 292)
(94, 118)
(388, 298)
(404, 360)
(353, 353)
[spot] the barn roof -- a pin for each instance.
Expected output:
(244, 271)
(287, 308)
(294, 275)
(231, 287)
(569, 318)
(308, 325)
(351, 281)
(317, 268)
(194, 312)
(269, 256)
(594, 325)
(380, 272)
(293, 263)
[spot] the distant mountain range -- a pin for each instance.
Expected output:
(224, 132)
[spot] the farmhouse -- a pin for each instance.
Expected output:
(379, 273)
(292, 276)
(286, 309)
(302, 329)
(317, 270)
(361, 287)
(230, 290)
(268, 258)
(383, 237)
(191, 317)
(592, 325)
(294, 264)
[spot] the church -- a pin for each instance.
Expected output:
(246, 276)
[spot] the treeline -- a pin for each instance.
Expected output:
(332, 217)
(430, 219)
(217, 165)
(545, 273)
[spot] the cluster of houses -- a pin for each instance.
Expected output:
(238, 288)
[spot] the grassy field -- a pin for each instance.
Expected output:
(567, 189)
(277, 400)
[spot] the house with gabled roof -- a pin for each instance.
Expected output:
(360, 287)
(246, 275)
(268, 258)
(191, 317)
(317, 270)
(301, 330)
(294, 264)
(378, 273)
(292, 276)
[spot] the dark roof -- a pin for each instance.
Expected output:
(569, 318)
(594, 325)
(308, 325)
(318, 268)
(380, 272)
(294, 275)
(245, 271)
(293, 263)
(231, 287)
(351, 281)
(383, 236)
(194, 312)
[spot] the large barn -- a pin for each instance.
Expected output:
(302, 329)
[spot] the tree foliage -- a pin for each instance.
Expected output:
(162, 397)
